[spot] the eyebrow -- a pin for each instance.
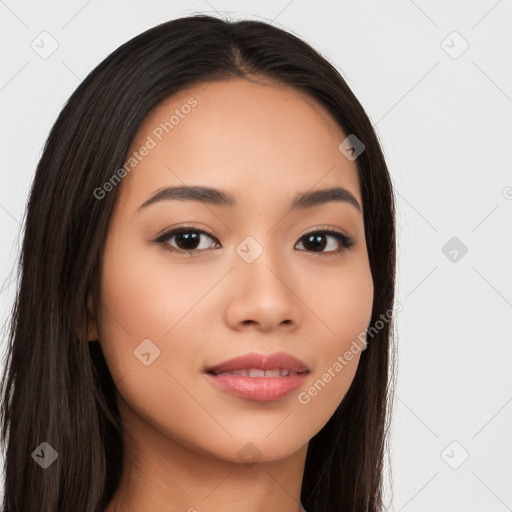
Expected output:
(217, 197)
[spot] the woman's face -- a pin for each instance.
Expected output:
(257, 280)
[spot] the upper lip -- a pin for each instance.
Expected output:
(280, 360)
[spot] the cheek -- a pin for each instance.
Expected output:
(341, 302)
(351, 307)
(343, 308)
(144, 293)
(146, 333)
(135, 303)
(150, 306)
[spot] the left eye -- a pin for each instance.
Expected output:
(315, 239)
(188, 241)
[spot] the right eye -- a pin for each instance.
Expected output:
(188, 239)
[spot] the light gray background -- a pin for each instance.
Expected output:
(445, 124)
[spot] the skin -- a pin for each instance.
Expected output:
(263, 143)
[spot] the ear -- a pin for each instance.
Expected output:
(92, 326)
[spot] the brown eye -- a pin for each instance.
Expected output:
(316, 241)
(186, 239)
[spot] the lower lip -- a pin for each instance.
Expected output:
(261, 389)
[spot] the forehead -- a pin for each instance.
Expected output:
(253, 139)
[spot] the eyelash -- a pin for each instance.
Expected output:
(345, 241)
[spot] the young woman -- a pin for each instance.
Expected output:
(204, 313)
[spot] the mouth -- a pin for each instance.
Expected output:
(259, 377)
(259, 372)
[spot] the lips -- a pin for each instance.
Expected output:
(259, 377)
(258, 372)
(268, 362)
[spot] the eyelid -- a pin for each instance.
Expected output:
(180, 227)
(326, 228)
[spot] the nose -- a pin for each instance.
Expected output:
(263, 296)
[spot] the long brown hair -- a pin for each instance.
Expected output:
(56, 387)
